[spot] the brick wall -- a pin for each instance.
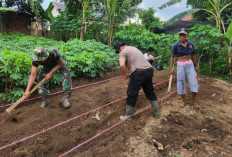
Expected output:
(16, 22)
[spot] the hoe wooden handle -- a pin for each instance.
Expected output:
(23, 98)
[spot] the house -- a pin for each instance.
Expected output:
(52, 12)
(54, 8)
(183, 23)
(13, 21)
(187, 18)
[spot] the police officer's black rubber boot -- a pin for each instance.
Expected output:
(155, 107)
(129, 112)
(65, 100)
(45, 101)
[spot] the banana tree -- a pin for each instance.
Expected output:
(113, 9)
(228, 44)
(218, 9)
(85, 6)
(37, 9)
(169, 3)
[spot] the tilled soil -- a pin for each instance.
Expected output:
(29, 118)
(189, 132)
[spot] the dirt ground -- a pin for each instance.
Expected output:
(184, 132)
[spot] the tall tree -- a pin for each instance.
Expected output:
(228, 43)
(85, 7)
(73, 6)
(38, 10)
(218, 8)
(116, 13)
(148, 18)
(20, 5)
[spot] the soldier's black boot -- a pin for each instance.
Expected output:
(65, 100)
(45, 100)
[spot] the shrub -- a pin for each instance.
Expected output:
(87, 59)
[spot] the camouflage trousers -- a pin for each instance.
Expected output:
(66, 78)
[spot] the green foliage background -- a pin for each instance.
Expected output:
(211, 55)
(87, 59)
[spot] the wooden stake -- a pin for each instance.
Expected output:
(170, 83)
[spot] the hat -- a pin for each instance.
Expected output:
(118, 45)
(183, 31)
(150, 49)
(40, 54)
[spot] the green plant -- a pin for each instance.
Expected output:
(96, 30)
(148, 19)
(205, 39)
(113, 11)
(137, 36)
(174, 154)
(228, 44)
(85, 8)
(14, 71)
(66, 26)
(38, 10)
(218, 8)
(87, 59)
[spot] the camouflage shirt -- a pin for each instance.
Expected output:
(53, 59)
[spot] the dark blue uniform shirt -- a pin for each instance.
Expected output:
(179, 50)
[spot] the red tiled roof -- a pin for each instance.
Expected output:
(187, 18)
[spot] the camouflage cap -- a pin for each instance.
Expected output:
(40, 54)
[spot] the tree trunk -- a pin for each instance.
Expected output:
(36, 25)
(229, 55)
(1, 27)
(199, 60)
(111, 31)
(82, 30)
(210, 64)
(82, 25)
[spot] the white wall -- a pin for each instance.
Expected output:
(55, 13)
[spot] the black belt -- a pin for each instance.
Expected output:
(139, 70)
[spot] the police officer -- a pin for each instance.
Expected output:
(141, 76)
(184, 51)
(50, 61)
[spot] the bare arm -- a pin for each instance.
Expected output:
(154, 58)
(31, 81)
(32, 77)
(194, 58)
(122, 63)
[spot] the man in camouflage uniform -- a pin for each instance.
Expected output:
(50, 61)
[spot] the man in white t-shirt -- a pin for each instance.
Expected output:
(149, 57)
